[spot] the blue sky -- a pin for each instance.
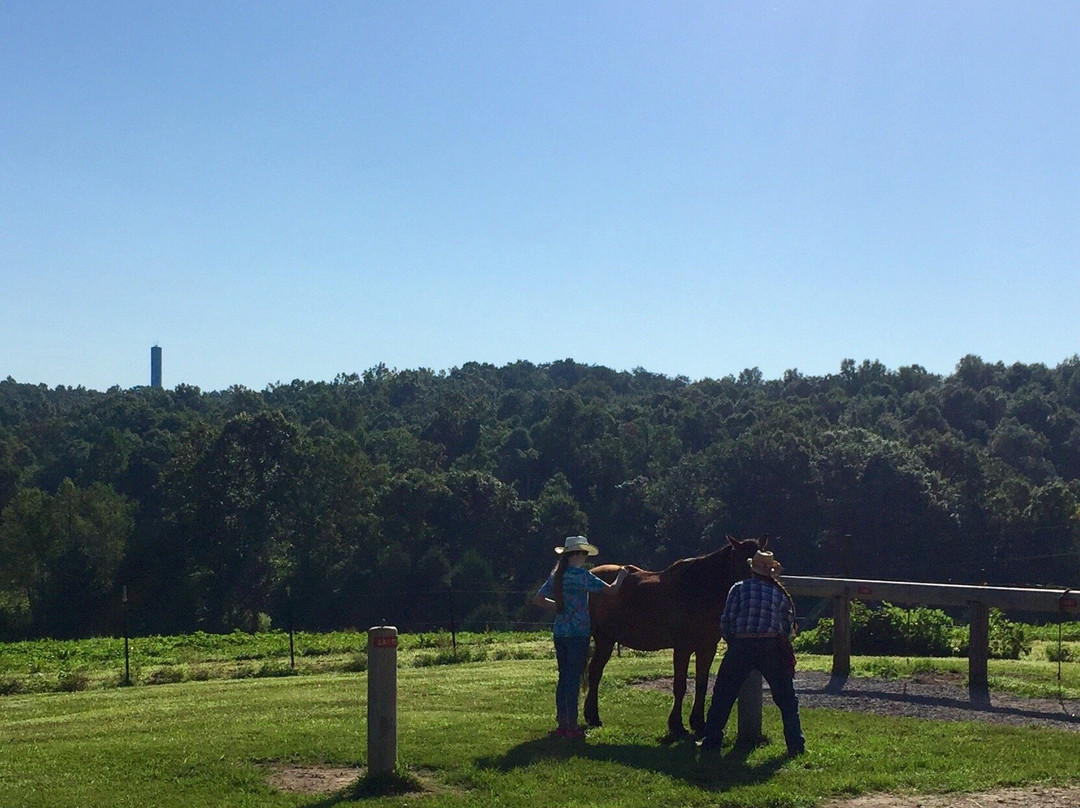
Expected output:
(278, 191)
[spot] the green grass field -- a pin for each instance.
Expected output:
(476, 734)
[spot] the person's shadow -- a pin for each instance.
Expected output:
(683, 760)
(707, 770)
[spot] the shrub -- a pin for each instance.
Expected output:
(925, 632)
(876, 632)
(267, 670)
(883, 669)
(886, 631)
(358, 662)
(1053, 653)
(489, 617)
(450, 658)
(518, 653)
(817, 640)
(440, 639)
(1008, 640)
(270, 670)
(73, 681)
(165, 676)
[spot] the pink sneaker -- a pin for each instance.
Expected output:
(577, 732)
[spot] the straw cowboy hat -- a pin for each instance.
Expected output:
(763, 563)
(577, 544)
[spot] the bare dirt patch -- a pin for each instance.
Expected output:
(320, 779)
(312, 779)
(1035, 797)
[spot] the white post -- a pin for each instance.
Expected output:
(750, 711)
(382, 700)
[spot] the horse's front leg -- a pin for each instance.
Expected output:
(680, 662)
(703, 659)
(601, 654)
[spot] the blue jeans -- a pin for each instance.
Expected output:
(769, 656)
(571, 654)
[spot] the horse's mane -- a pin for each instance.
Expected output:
(699, 571)
(712, 570)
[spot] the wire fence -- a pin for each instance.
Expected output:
(447, 609)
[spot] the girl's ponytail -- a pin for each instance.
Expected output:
(791, 602)
(560, 569)
(781, 587)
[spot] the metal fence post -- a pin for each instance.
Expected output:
(127, 656)
(292, 652)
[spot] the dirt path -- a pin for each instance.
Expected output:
(1035, 797)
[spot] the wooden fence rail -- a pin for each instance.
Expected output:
(980, 599)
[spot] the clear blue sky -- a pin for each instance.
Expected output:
(275, 191)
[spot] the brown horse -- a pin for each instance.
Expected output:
(677, 608)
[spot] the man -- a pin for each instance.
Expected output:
(757, 623)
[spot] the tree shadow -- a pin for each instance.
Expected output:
(710, 770)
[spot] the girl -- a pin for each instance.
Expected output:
(566, 590)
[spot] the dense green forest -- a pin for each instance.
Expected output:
(415, 496)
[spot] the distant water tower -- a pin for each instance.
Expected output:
(155, 366)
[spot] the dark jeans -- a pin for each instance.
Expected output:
(571, 653)
(769, 656)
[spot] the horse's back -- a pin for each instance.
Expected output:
(648, 613)
(607, 572)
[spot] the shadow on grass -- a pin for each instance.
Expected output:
(373, 786)
(708, 770)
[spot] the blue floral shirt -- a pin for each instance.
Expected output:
(578, 582)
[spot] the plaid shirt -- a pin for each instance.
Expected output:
(757, 608)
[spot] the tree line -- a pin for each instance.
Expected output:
(411, 495)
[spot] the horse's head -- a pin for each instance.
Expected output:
(741, 553)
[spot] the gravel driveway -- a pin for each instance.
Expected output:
(935, 697)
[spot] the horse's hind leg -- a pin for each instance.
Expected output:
(703, 659)
(601, 655)
(680, 661)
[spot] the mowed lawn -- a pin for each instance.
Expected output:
(475, 734)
